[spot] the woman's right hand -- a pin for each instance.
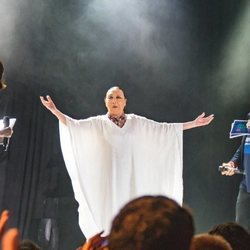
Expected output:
(48, 103)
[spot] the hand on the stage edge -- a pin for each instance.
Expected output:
(48, 103)
(203, 120)
(229, 172)
(95, 242)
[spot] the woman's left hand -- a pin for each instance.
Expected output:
(203, 120)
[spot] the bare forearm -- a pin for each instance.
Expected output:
(189, 125)
(50, 105)
(201, 120)
(60, 116)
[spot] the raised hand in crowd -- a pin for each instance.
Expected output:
(10, 238)
(97, 242)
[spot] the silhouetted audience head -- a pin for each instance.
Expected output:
(235, 234)
(29, 245)
(152, 222)
(2, 85)
(209, 242)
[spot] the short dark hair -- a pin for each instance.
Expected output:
(206, 241)
(235, 234)
(152, 222)
(116, 87)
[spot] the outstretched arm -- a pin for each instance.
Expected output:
(201, 120)
(50, 105)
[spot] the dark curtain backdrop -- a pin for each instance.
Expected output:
(174, 59)
(36, 187)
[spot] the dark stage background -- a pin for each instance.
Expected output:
(174, 58)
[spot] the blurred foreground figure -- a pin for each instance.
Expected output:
(97, 242)
(117, 157)
(152, 222)
(10, 238)
(235, 234)
(209, 242)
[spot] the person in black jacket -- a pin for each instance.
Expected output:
(241, 160)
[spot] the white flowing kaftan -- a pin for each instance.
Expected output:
(109, 165)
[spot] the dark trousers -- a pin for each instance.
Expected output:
(243, 209)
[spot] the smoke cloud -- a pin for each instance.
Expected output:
(233, 75)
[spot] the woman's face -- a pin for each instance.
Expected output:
(115, 101)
